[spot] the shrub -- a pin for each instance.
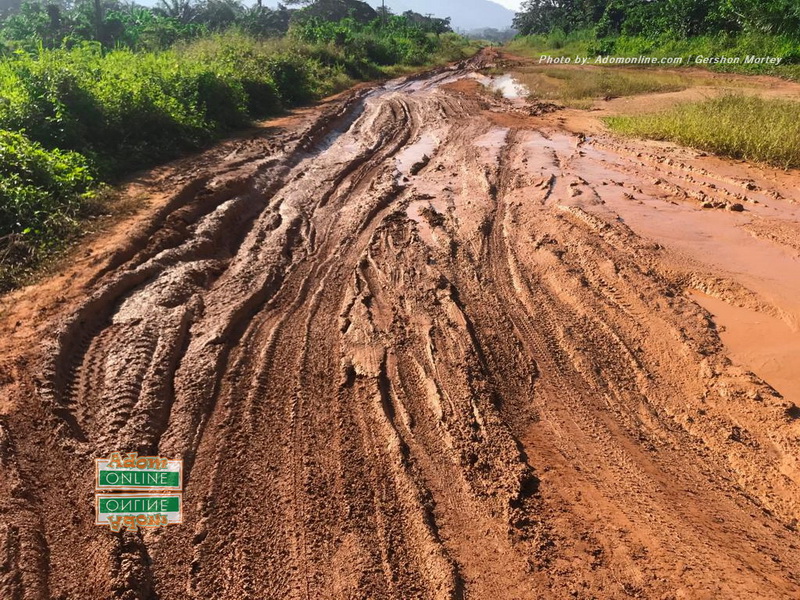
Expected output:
(42, 195)
(41, 191)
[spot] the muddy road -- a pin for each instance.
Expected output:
(424, 343)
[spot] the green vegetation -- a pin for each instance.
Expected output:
(666, 28)
(42, 194)
(584, 43)
(752, 128)
(652, 18)
(739, 126)
(106, 89)
(578, 88)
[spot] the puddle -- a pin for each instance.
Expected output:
(712, 237)
(330, 140)
(505, 84)
(761, 343)
(510, 87)
(715, 239)
(493, 141)
(414, 154)
(406, 85)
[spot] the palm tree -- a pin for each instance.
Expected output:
(181, 10)
(219, 14)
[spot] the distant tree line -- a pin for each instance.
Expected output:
(492, 34)
(122, 23)
(679, 18)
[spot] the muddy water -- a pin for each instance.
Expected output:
(760, 342)
(417, 153)
(762, 332)
(718, 240)
(765, 344)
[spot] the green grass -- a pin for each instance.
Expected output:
(579, 88)
(555, 44)
(738, 126)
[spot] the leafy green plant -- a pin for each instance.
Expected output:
(43, 193)
(40, 190)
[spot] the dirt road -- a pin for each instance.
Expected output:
(422, 342)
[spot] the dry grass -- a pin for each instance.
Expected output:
(752, 128)
(579, 88)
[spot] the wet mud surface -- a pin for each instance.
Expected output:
(424, 343)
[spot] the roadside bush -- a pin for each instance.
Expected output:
(126, 110)
(41, 191)
(42, 195)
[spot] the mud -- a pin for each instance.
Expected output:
(421, 344)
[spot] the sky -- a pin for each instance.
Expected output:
(512, 4)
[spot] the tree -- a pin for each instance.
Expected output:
(773, 16)
(498, 36)
(180, 10)
(266, 22)
(542, 16)
(336, 10)
(681, 18)
(219, 14)
(35, 22)
(428, 23)
(384, 12)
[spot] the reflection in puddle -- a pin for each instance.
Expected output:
(505, 84)
(415, 154)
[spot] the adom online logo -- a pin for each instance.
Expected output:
(157, 482)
